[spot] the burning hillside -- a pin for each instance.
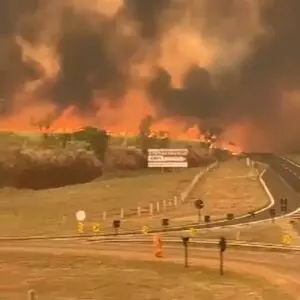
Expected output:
(109, 63)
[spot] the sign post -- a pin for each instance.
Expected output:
(199, 204)
(185, 241)
(116, 226)
(222, 248)
(165, 223)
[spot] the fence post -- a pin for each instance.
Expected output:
(122, 213)
(175, 201)
(157, 206)
(165, 204)
(182, 197)
(31, 295)
(138, 211)
(104, 215)
(151, 209)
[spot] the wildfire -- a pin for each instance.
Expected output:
(121, 120)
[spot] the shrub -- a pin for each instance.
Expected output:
(40, 169)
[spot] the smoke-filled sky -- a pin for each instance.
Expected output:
(233, 64)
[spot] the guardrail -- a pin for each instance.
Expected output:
(211, 243)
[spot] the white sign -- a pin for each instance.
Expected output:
(80, 215)
(167, 158)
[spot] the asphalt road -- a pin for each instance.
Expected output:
(288, 171)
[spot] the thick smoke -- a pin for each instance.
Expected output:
(222, 62)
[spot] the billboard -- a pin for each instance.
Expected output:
(167, 158)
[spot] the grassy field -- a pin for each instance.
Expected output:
(68, 277)
(232, 188)
(26, 212)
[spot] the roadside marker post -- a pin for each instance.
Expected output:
(80, 227)
(252, 214)
(193, 231)
(96, 227)
(145, 230)
(286, 239)
(230, 216)
(185, 241)
(206, 220)
(222, 248)
(116, 226)
(165, 223)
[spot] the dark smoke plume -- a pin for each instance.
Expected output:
(256, 63)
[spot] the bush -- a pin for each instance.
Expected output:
(41, 169)
(125, 159)
(196, 158)
(97, 139)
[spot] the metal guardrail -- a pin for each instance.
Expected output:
(210, 243)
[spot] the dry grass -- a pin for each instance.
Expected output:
(231, 188)
(77, 277)
(25, 212)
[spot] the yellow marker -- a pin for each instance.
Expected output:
(145, 230)
(286, 239)
(193, 231)
(80, 227)
(96, 227)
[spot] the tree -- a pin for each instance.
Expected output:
(145, 133)
(97, 139)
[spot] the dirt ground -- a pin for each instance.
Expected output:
(26, 212)
(73, 273)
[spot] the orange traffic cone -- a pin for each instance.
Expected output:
(158, 246)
